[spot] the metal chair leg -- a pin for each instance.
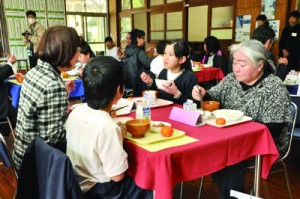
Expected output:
(286, 178)
(200, 187)
(181, 189)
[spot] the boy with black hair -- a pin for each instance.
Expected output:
(94, 139)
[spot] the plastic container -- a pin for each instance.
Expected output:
(189, 105)
(146, 111)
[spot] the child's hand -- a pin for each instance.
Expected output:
(123, 129)
(113, 114)
(70, 86)
(171, 89)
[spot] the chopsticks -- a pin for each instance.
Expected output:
(114, 110)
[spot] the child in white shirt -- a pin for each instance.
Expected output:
(95, 141)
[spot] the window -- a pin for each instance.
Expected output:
(126, 4)
(222, 22)
(156, 2)
(157, 26)
(197, 32)
(125, 27)
(89, 18)
(174, 25)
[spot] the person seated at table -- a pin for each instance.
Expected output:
(82, 41)
(43, 104)
(6, 108)
(253, 89)
(177, 70)
(266, 36)
(213, 55)
(85, 56)
(157, 64)
(194, 56)
(95, 140)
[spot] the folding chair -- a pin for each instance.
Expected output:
(7, 121)
(6, 156)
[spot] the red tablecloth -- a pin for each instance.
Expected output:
(208, 74)
(216, 148)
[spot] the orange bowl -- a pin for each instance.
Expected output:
(19, 78)
(210, 105)
(138, 127)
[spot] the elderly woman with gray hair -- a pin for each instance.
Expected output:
(253, 89)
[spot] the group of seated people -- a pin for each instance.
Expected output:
(94, 142)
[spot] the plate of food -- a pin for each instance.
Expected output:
(155, 126)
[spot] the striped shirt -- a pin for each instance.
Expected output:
(42, 109)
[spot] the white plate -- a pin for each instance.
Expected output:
(207, 114)
(157, 129)
(123, 120)
(212, 122)
(73, 72)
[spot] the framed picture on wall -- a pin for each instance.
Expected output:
(268, 8)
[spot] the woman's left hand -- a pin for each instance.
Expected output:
(70, 86)
(171, 89)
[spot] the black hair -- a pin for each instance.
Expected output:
(108, 39)
(101, 78)
(30, 12)
(85, 48)
(212, 44)
(295, 13)
(263, 33)
(181, 48)
(136, 33)
(160, 47)
(263, 18)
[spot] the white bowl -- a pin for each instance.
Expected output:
(228, 115)
(161, 82)
(206, 115)
(155, 128)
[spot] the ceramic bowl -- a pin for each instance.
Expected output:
(161, 82)
(156, 126)
(228, 115)
(138, 127)
(210, 105)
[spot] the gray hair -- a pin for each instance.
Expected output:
(255, 51)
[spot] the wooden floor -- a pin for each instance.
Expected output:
(272, 188)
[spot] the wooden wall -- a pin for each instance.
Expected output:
(252, 7)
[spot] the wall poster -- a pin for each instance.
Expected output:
(242, 29)
(268, 8)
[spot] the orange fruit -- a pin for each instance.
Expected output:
(167, 131)
(220, 121)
